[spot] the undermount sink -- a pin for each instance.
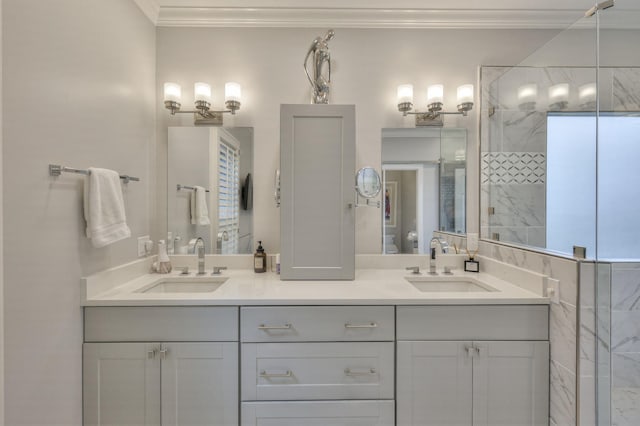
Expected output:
(184, 285)
(449, 285)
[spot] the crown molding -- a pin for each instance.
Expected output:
(365, 18)
(151, 8)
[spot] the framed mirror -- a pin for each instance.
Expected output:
(220, 161)
(424, 184)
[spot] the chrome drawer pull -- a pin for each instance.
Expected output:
(274, 327)
(369, 372)
(264, 374)
(370, 325)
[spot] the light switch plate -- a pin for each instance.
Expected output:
(142, 251)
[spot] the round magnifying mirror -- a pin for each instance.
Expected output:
(368, 183)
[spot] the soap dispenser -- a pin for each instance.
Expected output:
(260, 259)
(163, 265)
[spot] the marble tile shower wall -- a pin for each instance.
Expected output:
(625, 344)
(513, 142)
(562, 326)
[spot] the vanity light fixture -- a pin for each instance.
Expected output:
(202, 97)
(559, 96)
(435, 102)
(527, 96)
(587, 94)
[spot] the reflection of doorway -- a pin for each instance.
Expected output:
(402, 212)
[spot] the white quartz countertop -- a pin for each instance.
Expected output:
(370, 287)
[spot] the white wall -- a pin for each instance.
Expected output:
(368, 66)
(79, 90)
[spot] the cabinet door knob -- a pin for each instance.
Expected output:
(151, 354)
(163, 353)
(471, 351)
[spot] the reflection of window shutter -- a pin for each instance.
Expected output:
(228, 196)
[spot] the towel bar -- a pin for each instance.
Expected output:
(57, 170)
(191, 188)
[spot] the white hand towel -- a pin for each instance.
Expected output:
(199, 211)
(104, 208)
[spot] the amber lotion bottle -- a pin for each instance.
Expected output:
(260, 259)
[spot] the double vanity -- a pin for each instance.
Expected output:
(388, 348)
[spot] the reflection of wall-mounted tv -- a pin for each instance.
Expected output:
(247, 193)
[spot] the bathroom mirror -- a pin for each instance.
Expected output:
(424, 184)
(368, 183)
(220, 160)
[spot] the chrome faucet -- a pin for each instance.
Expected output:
(444, 248)
(200, 251)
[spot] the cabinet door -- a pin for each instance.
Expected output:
(200, 384)
(317, 161)
(511, 384)
(433, 383)
(121, 384)
(318, 413)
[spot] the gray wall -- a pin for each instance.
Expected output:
(79, 90)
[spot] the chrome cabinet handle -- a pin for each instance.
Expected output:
(163, 353)
(368, 372)
(276, 188)
(274, 327)
(370, 325)
(471, 351)
(264, 374)
(151, 354)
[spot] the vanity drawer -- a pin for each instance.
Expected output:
(325, 413)
(491, 322)
(317, 323)
(161, 324)
(307, 371)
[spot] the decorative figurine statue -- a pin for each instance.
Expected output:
(319, 50)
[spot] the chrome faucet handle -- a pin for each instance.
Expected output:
(185, 271)
(217, 269)
(414, 269)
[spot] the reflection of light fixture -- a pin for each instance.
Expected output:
(587, 96)
(558, 96)
(527, 96)
(202, 97)
(435, 101)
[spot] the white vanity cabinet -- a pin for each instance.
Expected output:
(472, 365)
(137, 369)
(329, 365)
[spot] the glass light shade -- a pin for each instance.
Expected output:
(202, 92)
(172, 92)
(435, 94)
(559, 93)
(465, 94)
(587, 92)
(232, 92)
(528, 93)
(405, 93)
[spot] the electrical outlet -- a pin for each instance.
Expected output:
(472, 242)
(553, 289)
(142, 250)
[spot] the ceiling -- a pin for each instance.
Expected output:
(538, 14)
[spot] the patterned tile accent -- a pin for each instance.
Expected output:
(513, 168)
